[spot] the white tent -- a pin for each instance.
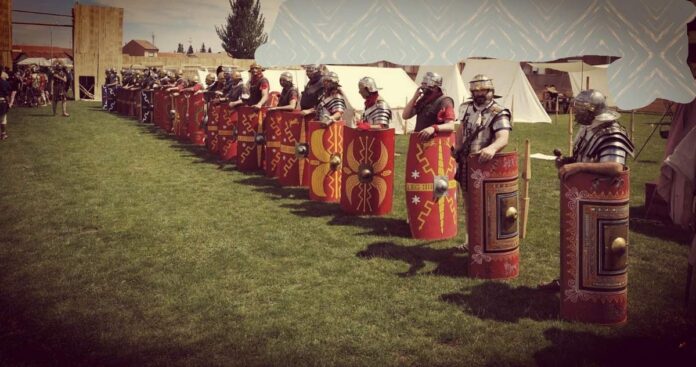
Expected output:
(397, 88)
(40, 61)
(510, 83)
(580, 74)
(452, 82)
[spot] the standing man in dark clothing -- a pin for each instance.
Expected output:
(258, 87)
(60, 87)
(434, 110)
(314, 88)
(5, 92)
(233, 91)
(15, 84)
(289, 94)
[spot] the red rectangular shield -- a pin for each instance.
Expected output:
(251, 138)
(325, 157)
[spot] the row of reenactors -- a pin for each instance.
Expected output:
(302, 140)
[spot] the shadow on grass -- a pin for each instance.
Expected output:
(497, 300)
(271, 186)
(449, 262)
(584, 349)
(31, 336)
(657, 228)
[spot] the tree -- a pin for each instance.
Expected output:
(210, 51)
(202, 50)
(180, 49)
(190, 50)
(243, 33)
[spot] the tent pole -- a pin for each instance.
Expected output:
(570, 132)
(632, 129)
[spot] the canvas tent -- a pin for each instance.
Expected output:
(510, 83)
(580, 73)
(397, 88)
(40, 61)
(452, 82)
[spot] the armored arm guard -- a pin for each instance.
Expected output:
(611, 144)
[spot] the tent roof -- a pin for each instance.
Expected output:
(510, 83)
(40, 61)
(579, 73)
(396, 86)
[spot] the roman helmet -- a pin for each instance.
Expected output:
(330, 81)
(209, 79)
(256, 69)
(367, 85)
(313, 72)
(286, 79)
(590, 105)
(479, 83)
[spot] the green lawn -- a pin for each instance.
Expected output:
(120, 246)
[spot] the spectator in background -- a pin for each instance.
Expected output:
(60, 87)
(5, 92)
(15, 84)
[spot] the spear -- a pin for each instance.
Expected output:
(526, 176)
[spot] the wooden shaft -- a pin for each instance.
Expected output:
(631, 129)
(570, 132)
(526, 176)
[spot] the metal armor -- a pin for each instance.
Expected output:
(427, 114)
(481, 124)
(378, 114)
(603, 142)
(431, 80)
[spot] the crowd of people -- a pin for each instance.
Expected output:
(33, 86)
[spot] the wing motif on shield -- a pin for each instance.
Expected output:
(366, 173)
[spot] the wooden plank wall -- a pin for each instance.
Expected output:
(97, 38)
(6, 33)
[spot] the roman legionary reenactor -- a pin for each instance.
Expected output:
(492, 228)
(595, 184)
(314, 88)
(287, 102)
(174, 91)
(430, 185)
(367, 180)
(227, 130)
(484, 129)
(60, 87)
(288, 96)
(258, 87)
(377, 113)
(325, 141)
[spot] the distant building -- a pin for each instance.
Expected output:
(140, 48)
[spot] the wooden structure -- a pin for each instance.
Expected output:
(6, 32)
(179, 61)
(97, 41)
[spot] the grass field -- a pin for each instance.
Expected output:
(120, 246)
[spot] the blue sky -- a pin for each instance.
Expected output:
(172, 21)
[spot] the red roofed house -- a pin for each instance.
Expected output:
(21, 52)
(140, 48)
